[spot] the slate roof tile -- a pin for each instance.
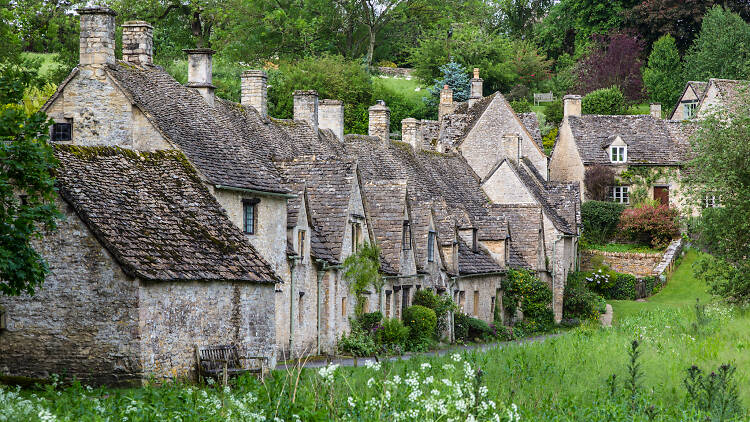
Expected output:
(531, 122)
(475, 262)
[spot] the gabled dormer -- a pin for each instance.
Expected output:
(617, 150)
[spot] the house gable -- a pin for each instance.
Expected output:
(503, 186)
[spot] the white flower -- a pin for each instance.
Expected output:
(351, 402)
(370, 382)
(426, 366)
(327, 372)
(456, 357)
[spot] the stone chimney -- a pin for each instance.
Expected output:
(331, 116)
(200, 72)
(411, 132)
(306, 107)
(446, 102)
(254, 91)
(380, 121)
(97, 39)
(137, 42)
(655, 109)
(476, 88)
(512, 147)
(571, 105)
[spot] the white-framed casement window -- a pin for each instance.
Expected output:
(690, 109)
(618, 154)
(710, 201)
(619, 194)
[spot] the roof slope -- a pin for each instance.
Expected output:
(558, 199)
(531, 122)
(153, 213)
(524, 226)
(475, 262)
(386, 203)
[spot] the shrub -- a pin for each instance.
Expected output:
(597, 181)
(392, 335)
(479, 329)
(518, 92)
(425, 298)
(611, 284)
(553, 112)
(655, 226)
(442, 305)
(369, 322)
(358, 343)
(461, 326)
(548, 141)
(535, 297)
(521, 105)
(604, 101)
(600, 220)
(421, 322)
(579, 302)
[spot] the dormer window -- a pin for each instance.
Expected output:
(62, 132)
(431, 246)
(356, 236)
(690, 109)
(250, 215)
(618, 154)
(406, 236)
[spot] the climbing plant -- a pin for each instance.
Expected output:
(361, 270)
(640, 178)
(534, 296)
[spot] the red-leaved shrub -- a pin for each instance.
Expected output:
(656, 226)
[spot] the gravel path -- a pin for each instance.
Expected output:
(319, 363)
(606, 318)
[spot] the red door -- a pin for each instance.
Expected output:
(661, 194)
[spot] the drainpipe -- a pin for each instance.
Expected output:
(320, 311)
(291, 305)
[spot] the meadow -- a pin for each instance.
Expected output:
(564, 378)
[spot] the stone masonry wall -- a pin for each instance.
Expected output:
(637, 264)
(175, 317)
(82, 322)
(486, 287)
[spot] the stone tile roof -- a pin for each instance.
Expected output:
(455, 126)
(327, 184)
(217, 140)
(155, 216)
(731, 93)
(385, 202)
(560, 200)
(420, 213)
(699, 87)
(649, 140)
(524, 224)
(475, 262)
(531, 122)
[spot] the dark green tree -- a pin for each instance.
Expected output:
(662, 77)
(722, 49)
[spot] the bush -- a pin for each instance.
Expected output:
(535, 297)
(521, 105)
(461, 326)
(425, 298)
(518, 92)
(600, 220)
(371, 321)
(604, 101)
(579, 302)
(479, 329)
(655, 226)
(611, 284)
(597, 180)
(421, 322)
(553, 112)
(548, 141)
(358, 343)
(392, 335)
(442, 305)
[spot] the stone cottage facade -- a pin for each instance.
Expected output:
(452, 206)
(699, 98)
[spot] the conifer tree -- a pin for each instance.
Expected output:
(663, 76)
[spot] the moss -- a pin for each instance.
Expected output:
(283, 122)
(23, 382)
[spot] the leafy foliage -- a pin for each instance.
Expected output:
(553, 112)
(548, 141)
(722, 48)
(727, 280)
(392, 335)
(456, 77)
(579, 301)
(361, 270)
(534, 296)
(604, 101)
(521, 105)
(650, 225)
(357, 343)
(421, 322)
(663, 75)
(597, 180)
(600, 220)
(442, 305)
(716, 394)
(468, 329)
(615, 61)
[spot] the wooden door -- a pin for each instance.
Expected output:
(661, 194)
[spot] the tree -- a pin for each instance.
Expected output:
(614, 61)
(722, 49)
(518, 16)
(597, 180)
(457, 78)
(361, 270)
(663, 75)
(720, 168)
(604, 101)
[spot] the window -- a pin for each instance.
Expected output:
(301, 243)
(343, 306)
(356, 236)
(249, 215)
(618, 154)
(431, 246)
(476, 302)
(710, 201)
(62, 132)
(366, 305)
(406, 236)
(461, 299)
(690, 109)
(300, 309)
(474, 245)
(619, 194)
(387, 303)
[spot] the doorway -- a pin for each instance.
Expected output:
(661, 194)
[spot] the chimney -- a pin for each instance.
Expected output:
(380, 121)
(512, 146)
(137, 42)
(411, 132)
(655, 109)
(254, 91)
(571, 105)
(97, 39)
(331, 116)
(306, 107)
(476, 88)
(200, 72)
(446, 102)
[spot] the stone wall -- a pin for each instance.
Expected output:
(395, 72)
(82, 322)
(177, 316)
(637, 264)
(485, 288)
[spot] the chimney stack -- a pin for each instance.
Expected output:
(571, 105)
(200, 72)
(476, 88)
(446, 102)
(512, 147)
(137, 42)
(254, 91)
(380, 121)
(306, 107)
(97, 39)
(411, 132)
(655, 109)
(331, 116)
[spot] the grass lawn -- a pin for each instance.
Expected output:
(407, 87)
(561, 379)
(624, 247)
(49, 61)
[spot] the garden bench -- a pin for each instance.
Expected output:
(225, 361)
(543, 97)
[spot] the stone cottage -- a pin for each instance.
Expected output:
(145, 266)
(698, 98)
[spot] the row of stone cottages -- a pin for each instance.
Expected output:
(192, 220)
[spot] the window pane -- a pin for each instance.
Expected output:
(249, 218)
(430, 246)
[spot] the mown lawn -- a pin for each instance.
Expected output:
(564, 378)
(412, 89)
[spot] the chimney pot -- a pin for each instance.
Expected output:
(571, 105)
(306, 107)
(380, 121)
(476, 88)
(331, 116)
(200, 72)
(254, 91)
(655, 109)
(137, 42)
(97, 38)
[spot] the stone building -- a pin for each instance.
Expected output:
(699, 98)
(145, 266)
(687, 105)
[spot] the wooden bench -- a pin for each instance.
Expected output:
(224, 361)
(543, 97)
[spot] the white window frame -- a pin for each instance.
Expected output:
(618, 153)
(620, 194)
(690, 109)
(710, 201)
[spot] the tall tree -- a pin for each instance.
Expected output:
(375, 14)
(615, 61)
(519, 16)
(722, 49)
(663, 75)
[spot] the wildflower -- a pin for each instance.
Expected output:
(327, 372)
(456, 357)
(426, 366)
